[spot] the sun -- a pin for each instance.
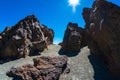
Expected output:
(74, 3)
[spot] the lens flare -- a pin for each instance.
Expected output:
(74, 3)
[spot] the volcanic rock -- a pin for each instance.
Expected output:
(73, 39)
(27, 37)
(103, 30)
(44, 68)
(49, 33)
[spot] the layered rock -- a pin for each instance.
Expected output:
(27, 37)
(44, 68)
(73, 39)
(103, 29)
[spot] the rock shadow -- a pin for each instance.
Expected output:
(8, 59)
(69, 54)
(16, 78)
(100, 70)
(5, 60)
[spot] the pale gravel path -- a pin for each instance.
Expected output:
(81, 68)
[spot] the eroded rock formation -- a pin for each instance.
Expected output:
(28, 37)
(103, 29)
(44, 68)
(73, 39)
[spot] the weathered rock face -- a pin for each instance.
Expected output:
(72, 38)
(49, 33)
(25, 38)
(103, 28)
(44, 68)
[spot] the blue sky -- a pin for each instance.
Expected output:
(53, 13)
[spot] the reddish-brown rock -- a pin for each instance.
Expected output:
(103, 29)
(44, 68)
(73, 38)
(27, 37)
(26, 72)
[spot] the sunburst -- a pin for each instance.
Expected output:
(74, 3)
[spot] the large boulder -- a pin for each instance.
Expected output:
(73, 39)
(27, 37)
(103, 30)
(44, 68)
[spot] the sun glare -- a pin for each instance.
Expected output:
(74, 3)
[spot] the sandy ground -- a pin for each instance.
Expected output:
(83, 66)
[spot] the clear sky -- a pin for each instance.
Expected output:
(53, 13)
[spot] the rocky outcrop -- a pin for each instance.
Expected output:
(73, 39)
(28, 37)
(49, 34)
(44, 68)
(103, 29)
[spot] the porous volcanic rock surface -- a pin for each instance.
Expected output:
(103, 33)
(73, 38)
(44, 68)
(27, 37)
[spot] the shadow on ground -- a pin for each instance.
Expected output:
(5, 60)
(100, 69)
(69, 54)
